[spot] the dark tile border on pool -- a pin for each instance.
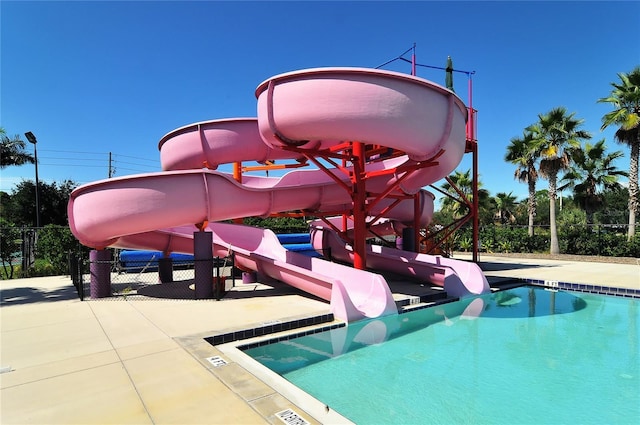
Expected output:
(287, 337)
(427, 304)
(583, 287)
(269, 328)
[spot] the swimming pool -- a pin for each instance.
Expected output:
(525, 355)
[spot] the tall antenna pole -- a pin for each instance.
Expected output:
(413, 60)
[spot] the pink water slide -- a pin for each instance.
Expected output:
(304, 110)
(458, 278)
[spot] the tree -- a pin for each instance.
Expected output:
(54, 245)
(9, 247)
(625, 99)
(12, 151)
(522, 153)
(554, 136)
(505, 204)
(464, 183)
(542, 214)
(615, 211)
(279, 224)
(591, 172)
(54, 198)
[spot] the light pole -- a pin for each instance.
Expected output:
(32, 139)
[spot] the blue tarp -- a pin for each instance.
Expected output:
(138, 260)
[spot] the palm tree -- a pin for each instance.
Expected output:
(12, 151)
(625, 99)
(554, 135)
(505, 204)
(592, 170)
(464, 183)
(521, 152)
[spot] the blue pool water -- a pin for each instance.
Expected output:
(522, 356)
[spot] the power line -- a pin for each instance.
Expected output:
(132, 169)
(74, 165)
(99, 153)
(135, 157)
(81, 152)
(69, 158)
(134, 163)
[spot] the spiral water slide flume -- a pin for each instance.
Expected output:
(298, 113)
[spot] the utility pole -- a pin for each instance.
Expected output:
(111, 170)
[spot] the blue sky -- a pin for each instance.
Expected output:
(89, 78)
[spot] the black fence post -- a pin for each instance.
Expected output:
(75, 272)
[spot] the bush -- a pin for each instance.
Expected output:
(577, 239)
(42, 268)
(633, 247)
(54, 245)
(465, 244)
(10, 238)
(574, 238)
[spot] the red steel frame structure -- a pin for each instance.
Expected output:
(471, 147)
(357, 154)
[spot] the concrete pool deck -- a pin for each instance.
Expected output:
(146, 361)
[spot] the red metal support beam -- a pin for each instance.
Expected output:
(475, 204)
(471, 137)
(416, 222)
(359, 208)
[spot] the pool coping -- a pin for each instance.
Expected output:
(584, 287)
(300, 408)
(313, 407)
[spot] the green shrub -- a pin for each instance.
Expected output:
(465, 244)
(505, 246)
(54, 245)
(42, 268)
(633, 247)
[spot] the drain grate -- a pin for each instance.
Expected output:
(290, 417)
(217, 361)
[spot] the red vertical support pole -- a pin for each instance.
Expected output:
(345, 224)
(471, 135)
(359, 214)
(237, 176)
(416, 197)
(476, 220)
(416, 222)
(237, 171)
(470, 128)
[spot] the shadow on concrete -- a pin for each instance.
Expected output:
(31, 295)
(184, 290)
(171, 290)
(489, 266)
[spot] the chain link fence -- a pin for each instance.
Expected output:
(143, 280)
(47, 251)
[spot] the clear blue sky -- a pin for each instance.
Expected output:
(89, 78)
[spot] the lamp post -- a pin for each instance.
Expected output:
(32, 139)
